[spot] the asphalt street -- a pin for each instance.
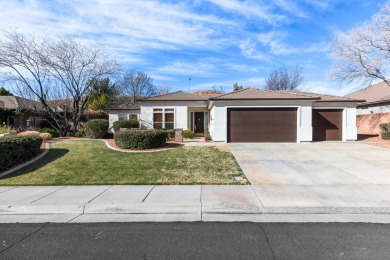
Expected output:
(195, 241)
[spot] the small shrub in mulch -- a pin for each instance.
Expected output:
(188, 134)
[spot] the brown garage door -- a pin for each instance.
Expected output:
(262, 124)
(327, 124)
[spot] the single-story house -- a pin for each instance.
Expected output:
(127, 109)
(377, 99)
(254, 115)
(24, 112)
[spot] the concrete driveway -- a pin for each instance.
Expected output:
(322, 163)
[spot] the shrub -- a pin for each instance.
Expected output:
(125, 124)
(96, 128)
(385, 127)
(99, 114)
(207, 136)
(188, 134)
(171, 134)
(46, 136)
(29, 133)
(386, 136)
(5, 129)
(140, 139)
(15, 150)
(50, 131)
(80, 133)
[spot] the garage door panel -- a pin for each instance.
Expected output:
(262, 125)
(327, 124)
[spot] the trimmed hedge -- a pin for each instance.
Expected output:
(18, 149)
(125, 124)
(50, 131)
(140, 139)
(96, 128)
(188, 134)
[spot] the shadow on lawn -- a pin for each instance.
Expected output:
(54, 154)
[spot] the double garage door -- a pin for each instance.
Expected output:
(279, 124)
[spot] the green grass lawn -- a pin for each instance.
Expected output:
(92, 163)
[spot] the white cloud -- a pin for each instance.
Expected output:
(318, 47)
(326, 87)
(135, 26)
(240, 67)
(197, 68)
(250, 8)
(249, 50)
(273, 40)
(290, 7)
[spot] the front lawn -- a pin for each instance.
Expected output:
(92, 163)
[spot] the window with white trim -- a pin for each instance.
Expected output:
(133, 117)
(122, 116)
(163, 118)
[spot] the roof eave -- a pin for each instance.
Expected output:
(249, 99)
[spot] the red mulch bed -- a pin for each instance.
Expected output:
(374, 140)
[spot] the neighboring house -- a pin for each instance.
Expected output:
(124, 110)
(375, 110)
(254, 115)
(26, 111)
(377, 99)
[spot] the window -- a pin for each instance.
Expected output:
(157, 120)
(134, 117)
(122, 116)
(163, 118)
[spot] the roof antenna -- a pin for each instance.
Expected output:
(189, 84)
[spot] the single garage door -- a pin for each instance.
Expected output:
(327, 124)
(262, 124)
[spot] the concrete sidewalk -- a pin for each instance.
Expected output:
(255, 203)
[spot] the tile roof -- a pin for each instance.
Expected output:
(178, 96)
(330, 98)
(373, 94)
(262, 94)
(15, 102)
(125, 105)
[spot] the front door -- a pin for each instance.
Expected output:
(199, 122)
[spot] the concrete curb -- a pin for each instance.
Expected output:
(137, 208)
(5, 173)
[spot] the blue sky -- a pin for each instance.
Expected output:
(215, 42)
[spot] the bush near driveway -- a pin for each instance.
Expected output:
(96, 128)
(125, 124)
(15, 150)
(385, 131)
(140, 139)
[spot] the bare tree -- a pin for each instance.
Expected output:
(237, 87)
(364, 53)
(218, 89)
(162, 90)
(284, 78)
(58, 72)
(137, 84)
